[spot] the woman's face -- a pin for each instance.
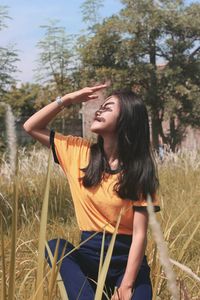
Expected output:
(105, 119)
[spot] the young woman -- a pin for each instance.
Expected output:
(116, 172)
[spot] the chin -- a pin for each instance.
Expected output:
(95, 129)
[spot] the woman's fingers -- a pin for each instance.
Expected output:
(99, 87)
(87, 93)
(93, 97)
(116, 295)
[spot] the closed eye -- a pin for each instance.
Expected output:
(105, 106)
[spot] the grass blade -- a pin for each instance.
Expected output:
(60, 283)
(11, 288)
(162, 248)
(183, 250)
(3, 287)
(104, 270)
(81, 289)
(185, 269)
(102, 252)
(178, 235)
(175, 221)
(53, 270)
(56, 269)
(42, 234)
(22, 286)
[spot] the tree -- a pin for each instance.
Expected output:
(55, 58)
(56, 65)
(23, 99)
(130, 46)
(3, 16)
(8, 58)
(90, 11)
(179, 83)
(101, 55)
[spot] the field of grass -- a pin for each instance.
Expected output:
(179, 219)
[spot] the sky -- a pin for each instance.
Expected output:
(27, 16)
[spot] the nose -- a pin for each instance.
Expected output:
(97, 113)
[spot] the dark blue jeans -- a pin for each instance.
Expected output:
(79, 270)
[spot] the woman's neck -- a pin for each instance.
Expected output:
(110, 146)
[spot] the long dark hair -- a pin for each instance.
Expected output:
(138, 176)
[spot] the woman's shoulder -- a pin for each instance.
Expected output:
(71, 140)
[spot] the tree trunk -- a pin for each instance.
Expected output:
(153, 92)
(172, 134)
(155, 126)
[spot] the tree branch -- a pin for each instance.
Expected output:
(194, 52)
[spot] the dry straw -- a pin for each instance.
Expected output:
(12, 148)
(162, 249)
(11, 137)
(27, 167)
(3, 283)
(185, 269)
(55, 275)
(42, 235)
(12, 271)
(105, 266)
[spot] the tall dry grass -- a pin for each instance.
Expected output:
(179, 220)
(32, 171)
(179, 195)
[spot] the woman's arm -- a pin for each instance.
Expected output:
(136, 254)
(36, 125)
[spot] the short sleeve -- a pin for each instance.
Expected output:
(141, 205)
(68, 150)
(52, 135)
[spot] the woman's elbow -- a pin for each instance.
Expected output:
(26, 126)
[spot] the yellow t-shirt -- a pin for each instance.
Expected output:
(97, 207)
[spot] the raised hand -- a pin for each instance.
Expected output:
(85, 94)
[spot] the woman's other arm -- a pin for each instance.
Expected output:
(136, 254)
(36, 125)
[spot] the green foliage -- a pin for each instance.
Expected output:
(102, 49)
(22, 99)
(3, 16)
(90, 11)
(55, 58)
(23, 104)
(8, 57)
(128, 49)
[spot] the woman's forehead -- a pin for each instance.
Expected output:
(111, 99)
